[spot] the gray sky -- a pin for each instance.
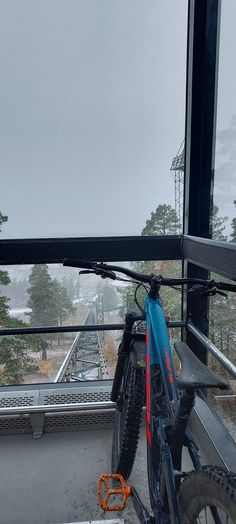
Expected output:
(225, 164)
(92, 103)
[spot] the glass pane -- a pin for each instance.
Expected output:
(225, 155)
(53, 295)
(92, 103)
(222, 332)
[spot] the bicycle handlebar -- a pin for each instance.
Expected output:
(100, 267)
(106, 270)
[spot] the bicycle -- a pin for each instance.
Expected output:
(177, 497)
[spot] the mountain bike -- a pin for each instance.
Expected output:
(208, 493)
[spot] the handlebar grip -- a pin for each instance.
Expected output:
(226, 287)
(79, 263)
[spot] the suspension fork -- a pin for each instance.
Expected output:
(123, 352)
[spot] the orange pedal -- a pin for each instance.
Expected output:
(124, 490)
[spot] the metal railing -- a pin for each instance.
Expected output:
(226, 363)
(219, 356)
(59, 376)
(75, 328)
(68, 369)
(79, 407)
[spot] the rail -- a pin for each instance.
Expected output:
(226, 363)
(98, 407)
(74, 366)
(66, 363)
(75, 328)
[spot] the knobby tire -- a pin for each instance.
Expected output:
(209, 486)
(128, 421)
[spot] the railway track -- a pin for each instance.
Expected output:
(85, 359)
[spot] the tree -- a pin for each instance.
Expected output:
(15, 360)
(70, 286)
(41, 299)
(16, 291)
(4, 281)
(63, 306)
(163, 221)
(41, 296)
(222, 325)
(3, 218)
(225, 167)
(217, 224)
(233, 224)
(48, 300)
(109, 293)
(77, 287)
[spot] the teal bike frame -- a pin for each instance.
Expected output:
(161, 402)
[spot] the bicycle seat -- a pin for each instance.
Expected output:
(193, 373)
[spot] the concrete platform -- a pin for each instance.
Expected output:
(53, 480)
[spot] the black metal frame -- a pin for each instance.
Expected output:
(215, 256)
(107, 249)
(219, 257)
(199, 253)
(202, 61)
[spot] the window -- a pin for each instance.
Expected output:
(224, 210)
(92, 113)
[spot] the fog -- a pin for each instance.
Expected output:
(92, 112)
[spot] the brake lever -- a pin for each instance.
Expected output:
(221, 293)
(214, 291)
(197, 288)
(211, 291)
(86, 271)
(104, 273)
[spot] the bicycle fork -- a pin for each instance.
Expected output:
(123, 353)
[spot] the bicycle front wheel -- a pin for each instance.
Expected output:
(208, 496)
(128, 420)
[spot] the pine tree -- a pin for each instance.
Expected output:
(15, 360)
(217, 224)
(62, 306)
(16, 291)
(3, 218)
(109, 293)
(233, 224)
(222, 325)
(41, 300)
(4, 281)
(41, 296)
(163, 221)
(70, 286)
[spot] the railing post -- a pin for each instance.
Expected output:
(202, 66)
